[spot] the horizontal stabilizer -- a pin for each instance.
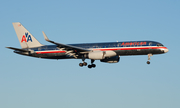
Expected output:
(17, 49)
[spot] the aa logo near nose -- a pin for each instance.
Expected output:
(26, 38)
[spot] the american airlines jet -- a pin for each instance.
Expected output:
(108, 52)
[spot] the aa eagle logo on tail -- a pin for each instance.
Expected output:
(26, 38)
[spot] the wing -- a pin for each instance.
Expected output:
(72, 50)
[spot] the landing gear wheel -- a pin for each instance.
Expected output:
(93, 65)
(84, 64)
(148, 62)
(89, 66)
(81, 64)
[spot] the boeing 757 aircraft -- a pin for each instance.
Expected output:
(108, 52)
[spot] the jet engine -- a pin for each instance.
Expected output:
(114, 59)
(100, 55)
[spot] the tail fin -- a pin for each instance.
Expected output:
(26, 39)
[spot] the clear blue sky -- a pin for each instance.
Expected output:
(27, 82)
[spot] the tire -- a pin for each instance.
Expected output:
(93, 65)
(81, 64)
(148, 62)
(85, 64)
(89, 66)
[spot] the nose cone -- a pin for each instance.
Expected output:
(166, 50)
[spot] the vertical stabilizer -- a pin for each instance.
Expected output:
(26, 39)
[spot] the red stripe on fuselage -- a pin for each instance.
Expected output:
(46, 52)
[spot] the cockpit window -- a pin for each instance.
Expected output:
(160, 45)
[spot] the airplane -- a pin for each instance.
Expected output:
(108, 52)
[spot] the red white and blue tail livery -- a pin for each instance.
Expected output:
(108, 52)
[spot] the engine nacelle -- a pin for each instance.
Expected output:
(114, 59)
(99, 55)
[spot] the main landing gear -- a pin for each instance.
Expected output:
(82, 64)
(149, 58)
(85, 64)
(92, 65)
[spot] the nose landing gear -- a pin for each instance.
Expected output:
(149, 58)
